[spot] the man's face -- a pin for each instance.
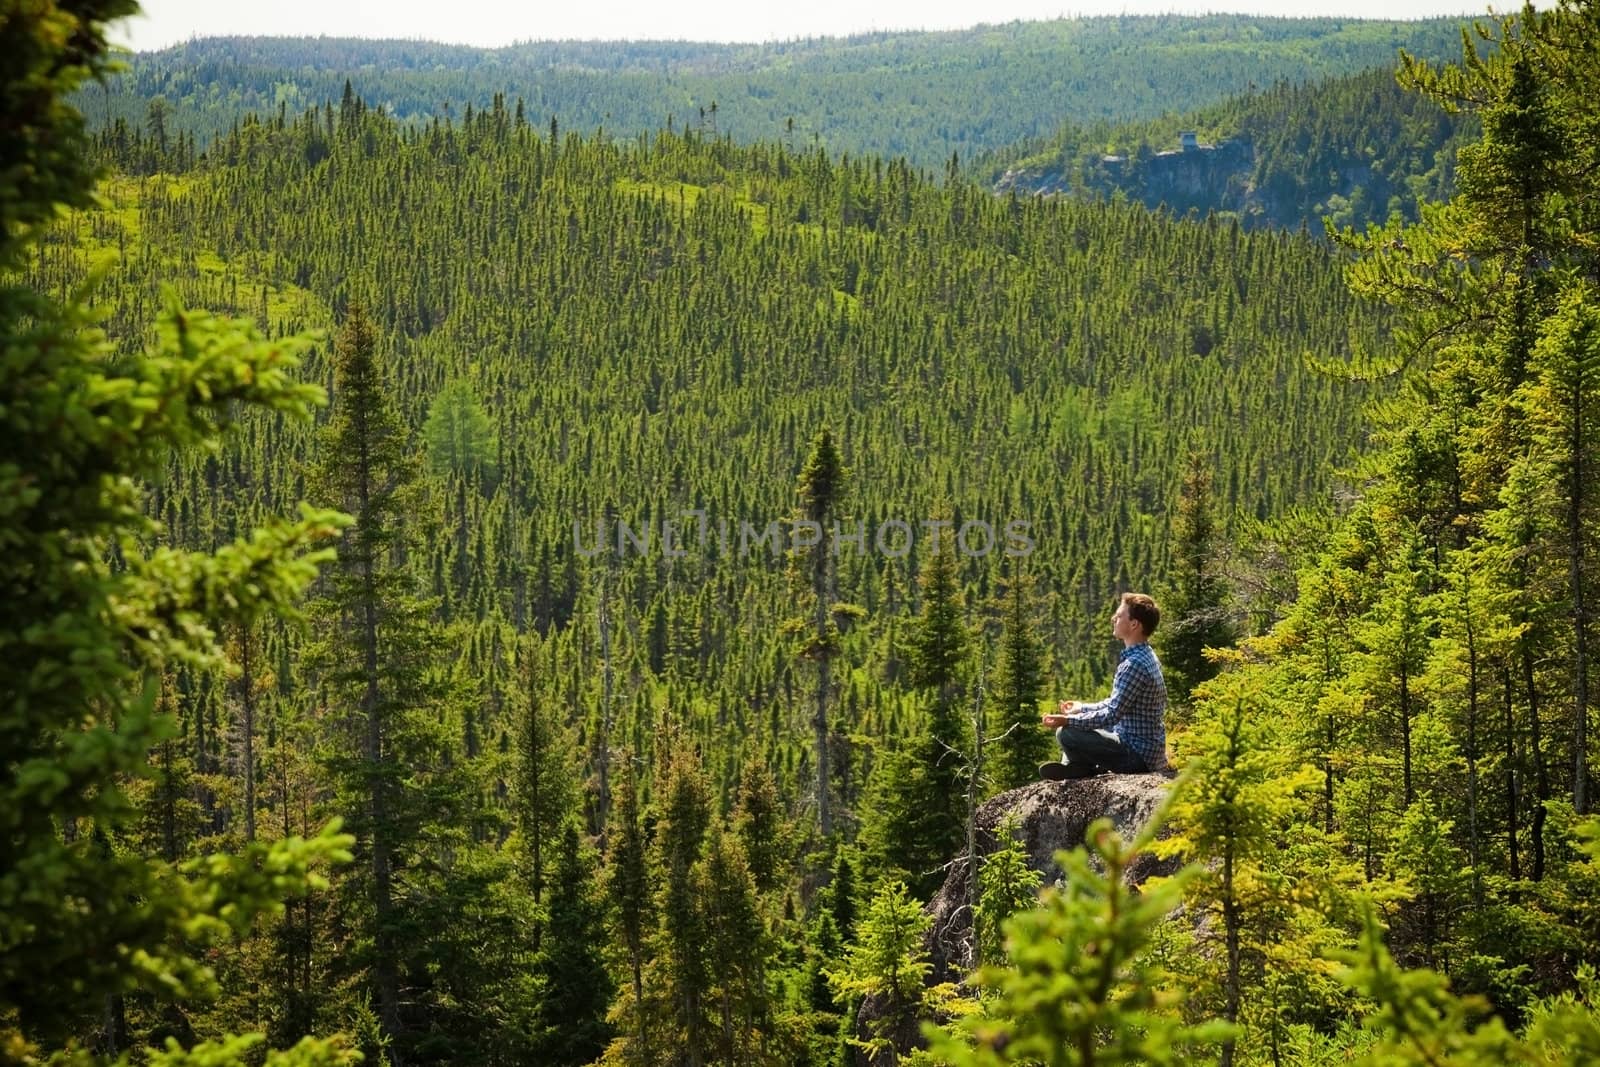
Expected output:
(1124, 628)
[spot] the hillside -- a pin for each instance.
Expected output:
(1354, 150)
(484, 592)
(1049, 362)
(924, 96)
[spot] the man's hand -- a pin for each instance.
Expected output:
(1062, 717)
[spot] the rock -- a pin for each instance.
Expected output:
(1052, 816)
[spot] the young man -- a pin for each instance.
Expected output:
(1124, 733)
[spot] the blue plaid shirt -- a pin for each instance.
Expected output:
(1135, 707)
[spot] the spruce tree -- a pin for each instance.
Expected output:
(576, 986)
(378, 657)
(1018, 686)
(923, 816)
(545, 794)
(1196, 613)
(84, 643)
(627, 886)
(821, 486)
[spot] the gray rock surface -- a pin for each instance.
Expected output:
(1052, 816)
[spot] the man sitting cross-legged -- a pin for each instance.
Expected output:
(1124, 733)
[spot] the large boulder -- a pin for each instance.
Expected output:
(1051, 816)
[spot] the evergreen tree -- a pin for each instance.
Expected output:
(1197, 613)
(758, 819)
(85, 642)
(821, 487)
(1006, 886)
(919, 819)
(379, 658)
(1080, 990)
(1018, 687)
(681, 982)
(627, 885)
(1235, 804)
(576, 986)
(736, 951)
(545, 791)
(887, 962)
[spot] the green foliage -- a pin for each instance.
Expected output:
(576, 987)
(459, 435)
(1019, 685)
(919, 812)
(1079, 989)
(1419, 1019)
(1266, 903)
(98, 610)
(1006, 885)
(1197, 615)
(983, 358)
(1354, 148)
(934, 94)
(888, 963)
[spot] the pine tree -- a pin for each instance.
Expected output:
(736, 950)
(627, 884)
(887, 962)
(821, 486)
(919, 819)
(1196, 615)
(545, 793)
(1006, 886)
(1234, 805)
(758, 819)
(379, 652)
(682, 975)
(1018, 687)
(576, 986)
(1562, 399)
(84, 643)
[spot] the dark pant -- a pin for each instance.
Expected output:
(1081, 745)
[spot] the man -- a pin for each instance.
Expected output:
(1125, 732)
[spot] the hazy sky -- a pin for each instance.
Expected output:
(500, 22)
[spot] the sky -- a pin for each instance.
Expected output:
(490, 23)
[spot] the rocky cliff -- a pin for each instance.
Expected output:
(1052, 816)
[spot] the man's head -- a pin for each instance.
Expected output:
(1136, 618)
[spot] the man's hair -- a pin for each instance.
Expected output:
(1142, 609)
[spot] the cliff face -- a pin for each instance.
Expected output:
(1052, 816)
(1220, 177)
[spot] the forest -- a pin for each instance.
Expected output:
(1348, 151)
(484, 590)
(924, 96)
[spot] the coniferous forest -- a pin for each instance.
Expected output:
(489, 588)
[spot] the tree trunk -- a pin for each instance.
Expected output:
(247, 682)
(1541, 777)
(819, 721)
(1580, 616)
